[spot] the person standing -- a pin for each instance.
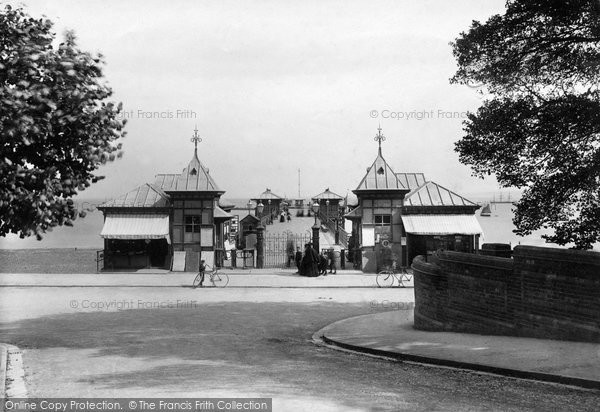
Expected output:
(331, 262)
(290, 253)
(310, 262)
(298, 259)
(322, 264)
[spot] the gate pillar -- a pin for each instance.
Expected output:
(315, 237)
(260, 246)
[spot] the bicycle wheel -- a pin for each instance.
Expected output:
(197, 280)
(219, 280)
(404, 278)
(385, 279)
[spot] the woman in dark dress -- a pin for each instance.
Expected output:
(310, 261)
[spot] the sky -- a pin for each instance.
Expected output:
(277, 86)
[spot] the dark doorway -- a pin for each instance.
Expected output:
(158, 250)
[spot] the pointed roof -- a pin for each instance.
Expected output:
(327, 194)
(380, 176)
(267, 194)
(194, 178)
(146, 195)
(433, 194)
(249, 217)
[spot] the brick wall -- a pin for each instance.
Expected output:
(542, 292)
(557, 293)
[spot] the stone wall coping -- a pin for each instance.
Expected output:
(479, 260)
(548, 253)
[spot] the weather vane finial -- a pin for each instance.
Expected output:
(379, 138)
(196, 139)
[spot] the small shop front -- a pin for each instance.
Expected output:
(429, 233)
(136, 241)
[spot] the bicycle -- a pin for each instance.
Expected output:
(385, 278)
(218, 279)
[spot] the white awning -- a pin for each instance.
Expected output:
(441, 224)
(138, 226)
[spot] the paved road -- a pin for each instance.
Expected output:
(239, 342)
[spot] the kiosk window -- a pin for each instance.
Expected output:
(383, 220)
(192, 224)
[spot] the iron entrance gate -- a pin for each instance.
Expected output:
(280, 249)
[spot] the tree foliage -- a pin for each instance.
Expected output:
(540, 130)
(56, 126)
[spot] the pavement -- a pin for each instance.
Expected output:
(3, 364)
(391, 335)
(238, 278)
(12, 375)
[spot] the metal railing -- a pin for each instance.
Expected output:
(332, 225)
(280, 249)
(235, 258)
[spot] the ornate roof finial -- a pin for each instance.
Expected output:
(196, 139)
(379, 138)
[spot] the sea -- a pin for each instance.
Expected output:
(85, 232)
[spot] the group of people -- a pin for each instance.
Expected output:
(313, 264)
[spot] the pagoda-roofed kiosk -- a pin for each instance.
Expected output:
(376, 221)
(271, 201)
(178, 217)
(329, 203)
(402, 215)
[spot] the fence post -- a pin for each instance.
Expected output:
(260, 246)
(233, 258)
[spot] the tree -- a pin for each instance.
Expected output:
(540, 130)
(56, 126)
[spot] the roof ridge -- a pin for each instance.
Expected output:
(410, 173)
(453, 192)
(134, 197)
(416, 189)
(327, 191)
(158, 190)
(438, 186)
